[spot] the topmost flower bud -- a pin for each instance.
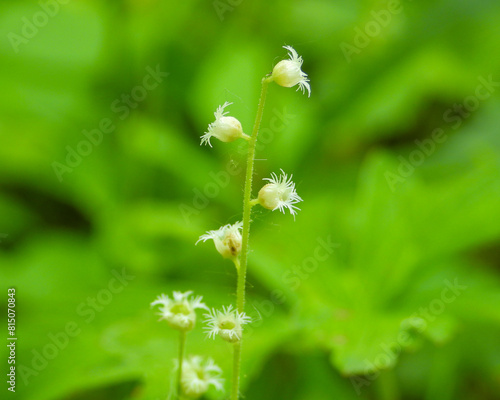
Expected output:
(226, 129)
(288, 73)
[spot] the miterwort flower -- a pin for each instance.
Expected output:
(288, 73)
(226, 323)
(227, 240)
(179, 311)
(197, 376)
(279, 193)
(226, 129)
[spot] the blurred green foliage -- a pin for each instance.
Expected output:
(336, 327)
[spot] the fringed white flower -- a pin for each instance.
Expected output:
(227, 240)
(226, 323)
(289, 73)
(279, 194)
(179, 311)
(226, 129)
(198, 375)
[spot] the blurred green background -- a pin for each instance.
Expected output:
(396, 155)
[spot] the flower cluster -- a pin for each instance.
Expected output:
(196, 375)
(278, 194)
(286, 73)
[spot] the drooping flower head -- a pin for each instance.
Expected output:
(289, 73)
(279, 193)
(227, 239)
(198, 375)
(179, 311)
(226, 129)
(226, 323)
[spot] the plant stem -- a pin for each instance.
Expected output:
(387, 386)
(182, 343)
(247, 207)
(240, 291)
(236, 370)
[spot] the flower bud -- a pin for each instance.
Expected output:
(279, 193)
(226, 129)
(227, 240)
(288, 73)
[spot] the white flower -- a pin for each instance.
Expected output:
(197, 376)
(226, 129)
(227, 239)
(179, 311)
(288, 73)
(279, 193)
(226, 323)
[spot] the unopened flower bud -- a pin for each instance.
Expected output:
(226, 129)
(279, 193)
(227, 240)
(288, 73)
